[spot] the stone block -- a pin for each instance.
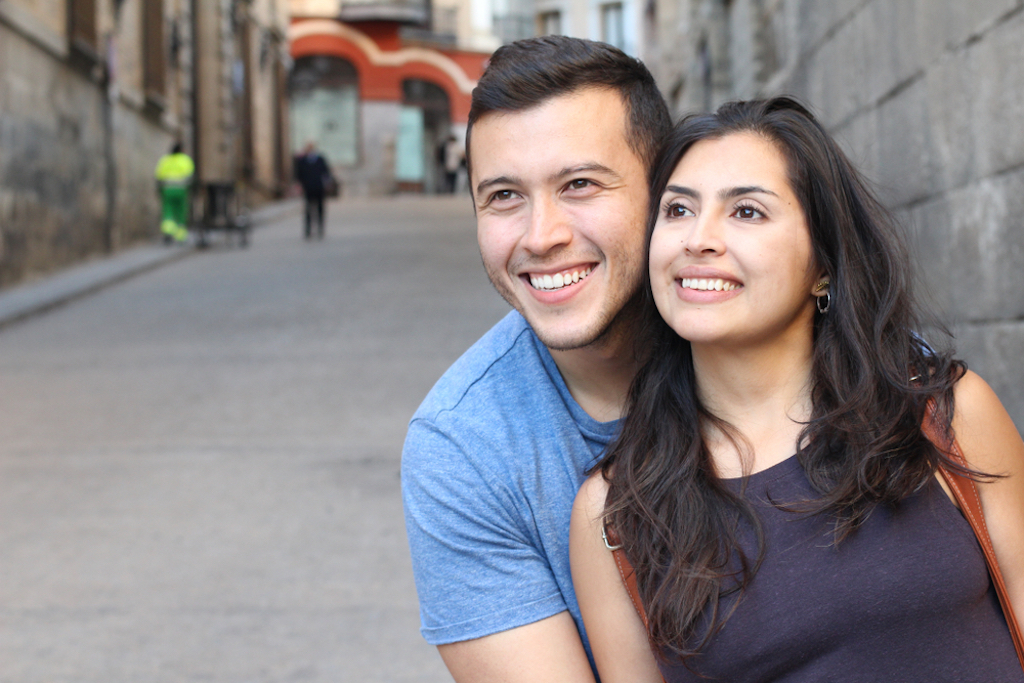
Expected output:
(950, 86)
(994, 351)
(948, 25)
(997, 63)
(969, 247)
(859, 138)
(818, 19)
(906, 164)
(891, 49)
(833, 76)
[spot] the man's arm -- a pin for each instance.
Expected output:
(546, 651)
(488, 597)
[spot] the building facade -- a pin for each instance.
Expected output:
(379, 87)
(93, 92)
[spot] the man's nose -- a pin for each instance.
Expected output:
(549, 227)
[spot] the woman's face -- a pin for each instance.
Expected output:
(731, 256)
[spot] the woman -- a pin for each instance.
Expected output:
(771, 485)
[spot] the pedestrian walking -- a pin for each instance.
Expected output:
(454, 158)
(314, 175)
(174, 174)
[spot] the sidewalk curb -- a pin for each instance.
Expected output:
(33, 298)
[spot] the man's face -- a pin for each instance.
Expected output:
(561, 201)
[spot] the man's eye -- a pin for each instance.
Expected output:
(579, 184)
(502, 195)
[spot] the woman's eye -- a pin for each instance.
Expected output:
(748, 213)
(677, 211)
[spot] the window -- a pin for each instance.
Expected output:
(153, 62)
(82, 27)
(612, 31)
(549, 23)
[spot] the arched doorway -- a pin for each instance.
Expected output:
(424, 124)
(324, 99)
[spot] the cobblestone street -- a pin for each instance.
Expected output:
(199, 465)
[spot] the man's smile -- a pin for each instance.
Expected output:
(559, 280)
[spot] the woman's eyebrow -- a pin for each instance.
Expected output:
(685, 191)
(747, 189)
(727, 193)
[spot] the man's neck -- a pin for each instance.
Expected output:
(598, 375)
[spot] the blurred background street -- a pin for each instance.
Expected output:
(199, 469)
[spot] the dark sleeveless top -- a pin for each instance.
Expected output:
(905, 598)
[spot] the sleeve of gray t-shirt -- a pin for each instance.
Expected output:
(477, 569)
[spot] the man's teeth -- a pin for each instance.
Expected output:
(708, 284)
(558, 280)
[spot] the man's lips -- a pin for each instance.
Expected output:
(564, 278)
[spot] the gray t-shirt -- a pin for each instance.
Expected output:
(492, 462)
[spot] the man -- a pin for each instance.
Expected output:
(561, 133)
(314, 174)
(174, 174)
(453, 157)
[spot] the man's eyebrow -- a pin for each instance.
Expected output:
(497, 180)
(727, 193)
(591, 167)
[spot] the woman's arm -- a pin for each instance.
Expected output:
(618, 638)
(991, 443)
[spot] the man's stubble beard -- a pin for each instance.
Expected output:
(610, 328)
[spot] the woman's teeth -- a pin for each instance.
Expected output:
(558, 280)
(706, 284)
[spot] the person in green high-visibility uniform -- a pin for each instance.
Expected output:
(174, 176)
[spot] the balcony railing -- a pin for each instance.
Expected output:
(415, 12)
(442, 31)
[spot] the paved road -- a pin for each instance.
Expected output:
(199, 466)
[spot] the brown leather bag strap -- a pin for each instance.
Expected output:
(628, 574)
(626, 571)
(966, 493)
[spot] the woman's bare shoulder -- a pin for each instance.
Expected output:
(985, 431)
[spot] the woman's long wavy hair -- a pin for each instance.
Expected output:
(872, 379)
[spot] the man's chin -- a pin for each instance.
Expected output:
(567, 337)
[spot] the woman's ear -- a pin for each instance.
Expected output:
(821, 285)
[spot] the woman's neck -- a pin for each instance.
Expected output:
(763, 392)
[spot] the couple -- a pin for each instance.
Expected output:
(764, 312)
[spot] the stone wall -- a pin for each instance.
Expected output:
(68, 155)
(927, 98)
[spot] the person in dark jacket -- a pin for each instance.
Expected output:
(314, 174)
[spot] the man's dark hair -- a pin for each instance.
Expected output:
(528, 72)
